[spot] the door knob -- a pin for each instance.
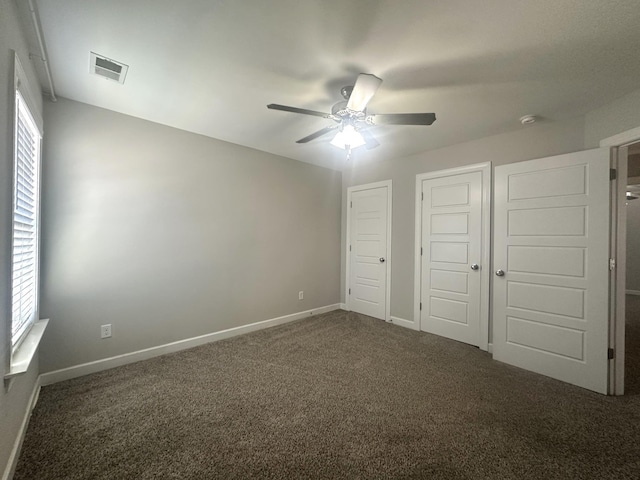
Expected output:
(381, 259)
(500, 273)
(475, 266)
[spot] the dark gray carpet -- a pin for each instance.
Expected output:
(632, 346)
(340, 395)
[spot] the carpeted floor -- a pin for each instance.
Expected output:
(632, 346)
(339, 395)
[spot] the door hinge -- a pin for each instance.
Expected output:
(423, 196)
(613, 174)
(420, 305)
(420, 250)
(612, 263)
(610, 354)
(349, 291)
(351, 205)
(349, 247)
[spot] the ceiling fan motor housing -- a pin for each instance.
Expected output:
(346, 91)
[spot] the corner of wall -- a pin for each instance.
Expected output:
(615, 117)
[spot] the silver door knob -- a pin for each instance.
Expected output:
(475, 266)
(381, 259)
(500, 273)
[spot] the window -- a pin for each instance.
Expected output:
(25, 231)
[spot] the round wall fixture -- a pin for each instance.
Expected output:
(528, 119)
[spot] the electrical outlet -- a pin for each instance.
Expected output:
(105, 331)
(300, 295)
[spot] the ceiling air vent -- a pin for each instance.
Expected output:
(107, 68)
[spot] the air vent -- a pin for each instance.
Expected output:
(108, 68)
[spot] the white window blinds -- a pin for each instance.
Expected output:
(24, 270)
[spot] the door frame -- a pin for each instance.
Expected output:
(350, 191)
(618, 279)
(485, 169)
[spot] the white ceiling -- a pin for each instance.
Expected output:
(212, 66)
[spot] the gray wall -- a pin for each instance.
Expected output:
(618, 116)
(536, 141)
(13, 404)
(633, 245)
(168, 235)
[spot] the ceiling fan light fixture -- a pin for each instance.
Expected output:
(348, 137)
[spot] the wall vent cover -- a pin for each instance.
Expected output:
(108, 68)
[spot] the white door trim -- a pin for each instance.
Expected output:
(618, 277)
(622, 139)
(485, 169)
(350, 191)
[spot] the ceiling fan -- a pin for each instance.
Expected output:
(351, 117)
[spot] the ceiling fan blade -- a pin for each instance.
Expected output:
(365, 87)
(369, 140)
(304, 111)
(402, 119)
(317, 134)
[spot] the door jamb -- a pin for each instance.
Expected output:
(617, 277)
(350, 191)
(485, 169)
(619, 248)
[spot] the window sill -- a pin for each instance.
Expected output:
(21, 358)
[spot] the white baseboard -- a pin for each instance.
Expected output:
(490, 348)
(404, 323)
(119, 360)
(17, 444)
(343, 306)
(633, 292)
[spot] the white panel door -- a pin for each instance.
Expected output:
(451, 256)
(551, 259)
(368, 251)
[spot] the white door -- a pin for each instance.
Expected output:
(368, 232)
(551, 260)
(452, 256)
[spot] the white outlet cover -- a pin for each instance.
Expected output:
(105, 331)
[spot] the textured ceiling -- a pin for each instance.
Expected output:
(211, 67)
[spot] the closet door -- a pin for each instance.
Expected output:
(551, 265)
(452, 256)
(452, 273)
(369, 212)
